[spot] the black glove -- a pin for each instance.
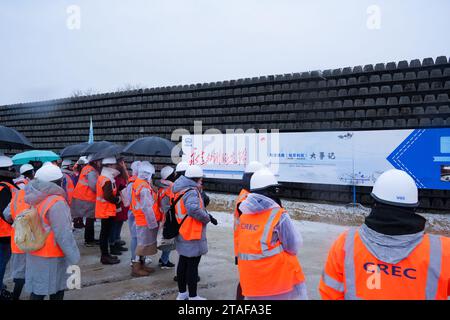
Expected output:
(213, 220)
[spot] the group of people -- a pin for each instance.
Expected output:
(388, 257)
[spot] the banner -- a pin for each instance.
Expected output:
(337, 157)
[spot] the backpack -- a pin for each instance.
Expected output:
(29, 232)
(171, 227)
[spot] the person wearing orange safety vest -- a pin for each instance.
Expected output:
(267, 245)
(250, 168)
(106, 205)
(18, 258)
(68, 182)
(191, 242)
(389, 257)
(164, 197)
(26, 175)
(7, 190)
(131, 222)
(46, 268)
(146, 216)
(84, 197)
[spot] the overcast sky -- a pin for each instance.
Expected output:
(43, 55)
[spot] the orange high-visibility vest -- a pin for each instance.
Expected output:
(103, 208)
(265, 269)
(51, 249)
(164, 192)
(242, 196)
(82, 190)
(132, 179)
(191, 229)
(69, 187)
(352, 272)
(139, 216)
(17, 206)
(5, 227)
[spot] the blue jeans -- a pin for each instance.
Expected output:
(115, 232)
(5, 255)
(165, 256)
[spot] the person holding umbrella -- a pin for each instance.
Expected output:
(84, 197)
(7, 190)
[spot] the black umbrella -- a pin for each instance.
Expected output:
(111, 151)
(74, 150)
(12, 139)
(97, 147)
(150, 146)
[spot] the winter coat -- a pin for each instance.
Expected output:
(5, 197)
(122, 215)
(45, 276)
(291, 240)
(192, 202)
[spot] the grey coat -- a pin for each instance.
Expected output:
(192, 202)
(45, 276)
(85, 209)
(17, 259)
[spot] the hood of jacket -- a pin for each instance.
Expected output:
(257, 202)
(38, 190)
(110, 173)
(389, 248)
(183, 183)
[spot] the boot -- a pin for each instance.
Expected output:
(107, 259)
(146, 268)
(115, 251)
(137, 270)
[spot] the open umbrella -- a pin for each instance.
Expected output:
(111, 151)
(150, 146)
(12, 139)
(74, 150)
(96, 147)
(35, 155)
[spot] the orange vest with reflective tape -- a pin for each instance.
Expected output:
(265, 269)
(242, 196)
(69, 186)
(191, 229)
(5, 228)
(139, 216)
(82, 190)
(103, 208)
(50, 249)
(17, 206)
(352, 272)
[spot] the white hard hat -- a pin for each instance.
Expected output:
(166, 172)
(182, 166)
(135, 165)
(26, 167)
(5, 162)
(49, 173)
(146, 168)
(263, 178)
(148, 164)
(253, 166)
(396, 187)
(47, 163)
(89, 157)
(82, 160)
(109, 160)
(66, 163)
(194, 171)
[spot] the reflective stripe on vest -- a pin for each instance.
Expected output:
(265, 251)
(82, 191)
(433, 273)
(332, 283)
(434, 267)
